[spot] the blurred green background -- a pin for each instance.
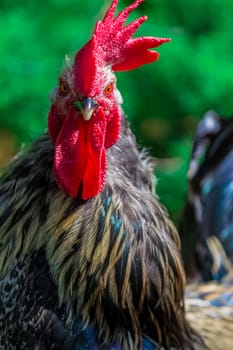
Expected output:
(164, 100)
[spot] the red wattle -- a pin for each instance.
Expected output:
(113, 128)
(69, 154)
(80, 156)
(95, 173)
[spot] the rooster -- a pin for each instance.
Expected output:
(89, 258)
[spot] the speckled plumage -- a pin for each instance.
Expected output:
(209, 308)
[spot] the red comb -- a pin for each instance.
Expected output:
(112, 45)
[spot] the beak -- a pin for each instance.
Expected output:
(87, 106)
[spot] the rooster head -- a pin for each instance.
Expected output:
(85, 115)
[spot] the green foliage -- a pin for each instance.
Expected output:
(164, 100)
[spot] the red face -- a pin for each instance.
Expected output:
(82, 127)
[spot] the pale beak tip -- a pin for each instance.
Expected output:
(88, 107)
(87, 114)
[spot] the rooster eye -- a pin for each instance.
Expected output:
(64, 88)
(108, 90)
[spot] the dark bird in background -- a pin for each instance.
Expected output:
(89, 258)
(207, 224)
(207, 233)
